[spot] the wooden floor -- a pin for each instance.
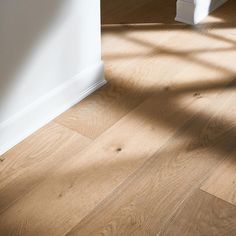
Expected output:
(151, 153)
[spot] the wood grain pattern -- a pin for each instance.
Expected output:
(222, 183)
(144, 203)
(142, 56)
(163, 124)
(94, 115)
(29, 163)
(202, 214)
(72, 190)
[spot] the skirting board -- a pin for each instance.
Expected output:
(193, 11)
(48, 107)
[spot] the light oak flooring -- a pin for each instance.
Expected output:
(153, 152)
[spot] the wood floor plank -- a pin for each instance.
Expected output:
(222, 183)
(161, 75)
(27, 164)
(147, 57)
(95, 114)
(72, 190)
(202, 214)
(143, 204)
(78, 185)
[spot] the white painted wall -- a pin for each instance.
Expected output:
(193, 11)
(50, 58)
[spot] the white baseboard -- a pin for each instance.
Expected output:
(48, 107)
(193, 11)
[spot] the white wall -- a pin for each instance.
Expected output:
(50, 57)
(193, 11)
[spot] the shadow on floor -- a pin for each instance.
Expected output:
(117, 21)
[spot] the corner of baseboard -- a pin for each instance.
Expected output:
(48, 107)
